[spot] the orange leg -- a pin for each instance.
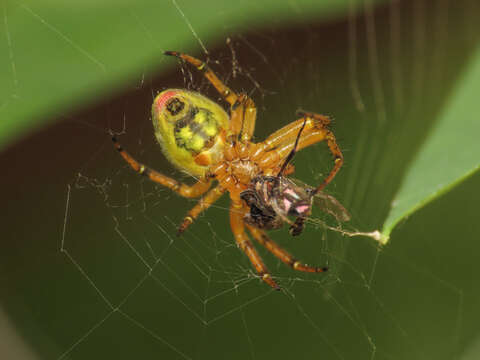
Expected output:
(282, 254)
(229, 96)
(272, 158)
(283, 141)
(236, 222)
(202, 205)
(289, 132)
(243, 110)
(242, 118)
(188, 191)
(332, 145)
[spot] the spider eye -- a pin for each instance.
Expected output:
(174, 106)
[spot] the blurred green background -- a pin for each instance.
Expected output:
(90, 265)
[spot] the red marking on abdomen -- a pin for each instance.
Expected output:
(160, 101)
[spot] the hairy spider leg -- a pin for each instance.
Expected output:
(278, 145)
(282, 254)
(272, 159)
(243, 116)
(237, 212)
(243, 112)
(332, 145)
(229, 95)
(188, 191)
(203, 204)
(286, 134)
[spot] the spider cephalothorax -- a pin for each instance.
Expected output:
(200, 138)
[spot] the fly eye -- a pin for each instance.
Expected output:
(175, 105)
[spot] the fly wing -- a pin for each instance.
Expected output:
(332, 206)
(327, 203)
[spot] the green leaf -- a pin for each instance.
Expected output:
(450, 153)
(59, 56)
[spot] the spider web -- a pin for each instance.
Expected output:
(128, 286)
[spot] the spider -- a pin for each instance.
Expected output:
(201, 139)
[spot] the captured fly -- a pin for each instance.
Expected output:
(274, 200)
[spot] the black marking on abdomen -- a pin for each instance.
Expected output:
(189, 140)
